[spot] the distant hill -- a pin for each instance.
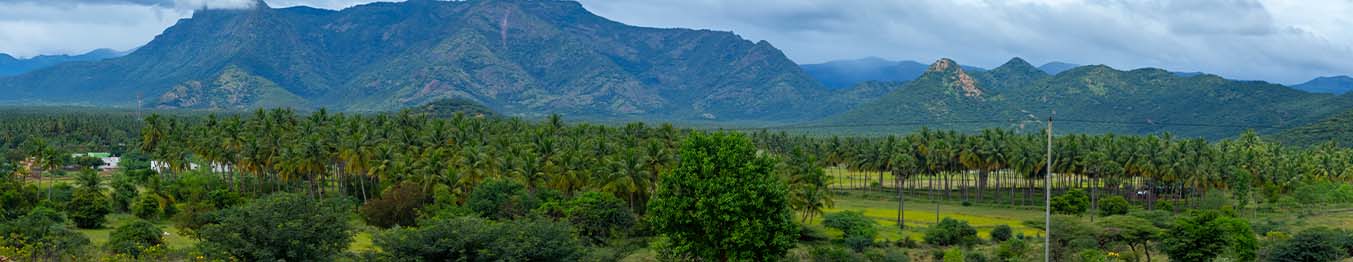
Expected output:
(518, 57)
(1053, 68)
(447, 108)
(1105, 100)
(1337, 128)
(10, 66)
(841, 74)
(1330, 85)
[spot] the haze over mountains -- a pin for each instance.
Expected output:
(1329, 84)
(10, 66)
(534, 58)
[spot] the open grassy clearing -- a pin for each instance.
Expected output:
(920, 215)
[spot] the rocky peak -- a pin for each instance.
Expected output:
(942, 65)
(953, 76)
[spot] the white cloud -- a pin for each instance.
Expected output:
(1276, 40)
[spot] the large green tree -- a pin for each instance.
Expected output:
(279, 227)
(1205, 235)
(722, 203)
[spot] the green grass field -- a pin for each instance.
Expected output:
(920, 215)
(172, 238)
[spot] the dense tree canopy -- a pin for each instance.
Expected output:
(722, 202)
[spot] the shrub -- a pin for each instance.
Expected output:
(953, 254)
(1316, 244)
(476, 239)
(887, 255)
(88, 208)
(809, 233)
(288, 227)
(148, 207)
(501, 200)
(1001, 233)
(1205, 235)
(1092, 255)
(597, 215)
(43, 234)
(1165, 206)
(397, 206)
(1074, 202)
(132, 238)
(833, 253)
(124, 193)
(951, 232)
(975, 256)
(1013, 250)
(1114, 205)
(858, 230)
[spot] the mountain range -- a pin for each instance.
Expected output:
(519, 57)
(534, 58)
(842, 74)
(1330, 84)
(1090, 99)
(10, 66)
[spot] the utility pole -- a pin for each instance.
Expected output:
(1047, 200)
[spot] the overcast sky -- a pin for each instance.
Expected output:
(1276, 40)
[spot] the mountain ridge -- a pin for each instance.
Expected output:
(1134, 100)
(525, 58)
(10, 66)
(1338, 85)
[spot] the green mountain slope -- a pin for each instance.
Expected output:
(1103, 99)
(1337, 128)
(518, 57)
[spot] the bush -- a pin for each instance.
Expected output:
(1205, 235)
(288, 227)
(501, 200)
(1316, 244)
(887, 255)
(857, 230)
(1074, 202)
(1013, 250)
(809, 233)
(953, 254)
(132, 238)
(598, 215)
(833, 253)
(975, 256)
(1092, 255)
(476, 239)
(148, 207)
(1114, 205)
(951, 232)
(397, 206)
(88, 207)
(43, 235)
(1001, 233)
(124, 193)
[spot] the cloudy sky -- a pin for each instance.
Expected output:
(1276, 40)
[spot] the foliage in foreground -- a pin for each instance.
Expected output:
(282, 226)
(476, 239)
(722, 202)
